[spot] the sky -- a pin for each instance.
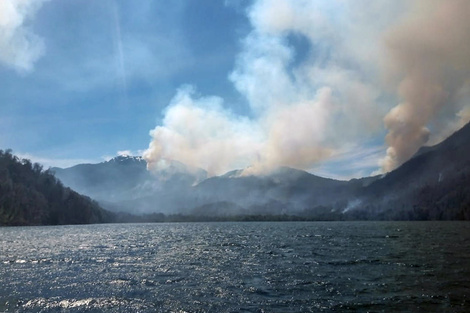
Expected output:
(339, 88)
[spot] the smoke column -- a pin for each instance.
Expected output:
(429, 62)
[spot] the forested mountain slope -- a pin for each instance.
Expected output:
(30, 195)
(434, 184)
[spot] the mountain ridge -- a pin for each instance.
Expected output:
(400, 194)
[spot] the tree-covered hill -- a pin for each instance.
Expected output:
(30, 195)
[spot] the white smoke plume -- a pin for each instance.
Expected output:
(361, 57)
(429, 63)
(293, 106)
(201, 133)
(20, 48)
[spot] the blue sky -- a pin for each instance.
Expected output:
(221, 84)
(96, 89)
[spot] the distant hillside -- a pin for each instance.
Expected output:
(115, 180)
(31, 196)
(123, 184)
(284, 191)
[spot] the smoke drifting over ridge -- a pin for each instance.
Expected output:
(361, 60)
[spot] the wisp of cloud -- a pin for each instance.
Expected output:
(20, 48)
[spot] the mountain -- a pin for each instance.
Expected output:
(31, 196)
(434, 184)
(114, 180)
(430, 165)
(285, 191)
(124, 184)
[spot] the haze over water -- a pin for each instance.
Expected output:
(237, 267)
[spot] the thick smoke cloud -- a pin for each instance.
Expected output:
(340, 87)
(429, 62)
(293, 105)
(19, 46)
(200, 133)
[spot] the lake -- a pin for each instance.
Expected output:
(237, 267)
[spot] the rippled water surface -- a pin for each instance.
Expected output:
(237, 267)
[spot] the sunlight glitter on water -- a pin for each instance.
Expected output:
(236, 267)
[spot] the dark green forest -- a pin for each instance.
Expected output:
(30, 195)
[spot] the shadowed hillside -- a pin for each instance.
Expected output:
(434, 184)
(31, 196)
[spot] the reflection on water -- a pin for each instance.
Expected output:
(237, 267)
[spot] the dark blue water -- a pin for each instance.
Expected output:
(237, 267)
